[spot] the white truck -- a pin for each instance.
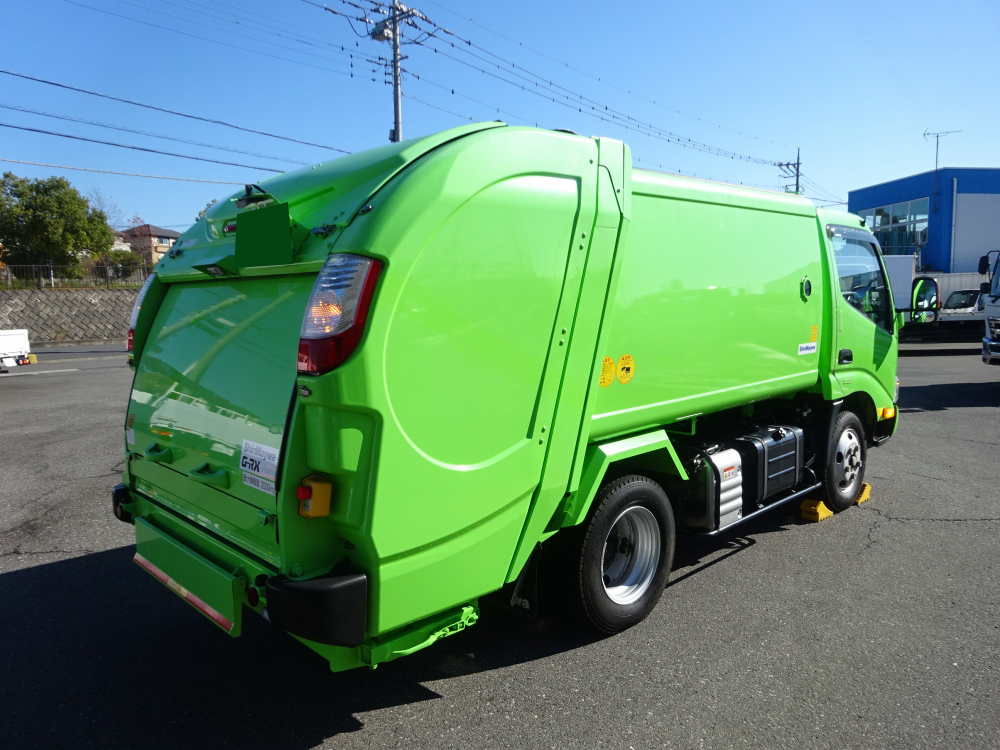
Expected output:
(14, 348)
(991, 309)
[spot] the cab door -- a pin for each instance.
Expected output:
(866, 337)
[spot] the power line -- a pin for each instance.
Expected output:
(216, 28)
(615, 119)
(123, 174)
(206, 39)
(592, 109)
(304, 37)
(137, 148)
(566, 65)
(173, 112)
(148, 133)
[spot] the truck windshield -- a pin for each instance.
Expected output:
(964, 298)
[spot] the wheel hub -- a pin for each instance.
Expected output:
(631, 555)
(847, 460)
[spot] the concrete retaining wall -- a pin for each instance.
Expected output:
(68, 314)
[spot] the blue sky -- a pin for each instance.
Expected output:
(854, 84)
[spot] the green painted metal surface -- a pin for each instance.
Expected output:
(479, 412)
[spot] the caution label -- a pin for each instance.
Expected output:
(607, 372)
(626, 368)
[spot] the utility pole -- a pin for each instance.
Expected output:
(388, 31)
(937, 146)
(790, 168)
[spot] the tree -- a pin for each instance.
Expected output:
(101, 201)
(201, 214)
(118, 264)
(139, 237)
(48, 221)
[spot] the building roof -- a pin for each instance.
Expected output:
(154, 231)
(984, 173)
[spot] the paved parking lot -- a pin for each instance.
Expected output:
(878, 628)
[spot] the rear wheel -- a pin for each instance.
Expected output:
(845, 466)
(618, 560)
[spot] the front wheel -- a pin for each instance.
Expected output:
(619, 558)
(845, 466)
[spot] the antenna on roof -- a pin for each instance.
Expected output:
(937, 142)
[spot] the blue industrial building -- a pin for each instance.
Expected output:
(947, 217)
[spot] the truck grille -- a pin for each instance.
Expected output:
(994, 326)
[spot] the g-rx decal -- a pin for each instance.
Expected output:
(259, 459)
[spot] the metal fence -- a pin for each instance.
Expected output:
(73, 277)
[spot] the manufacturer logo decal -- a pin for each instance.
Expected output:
(130, 437)
(807, 348)
(607, 372)
(626, 368)
(259, 459)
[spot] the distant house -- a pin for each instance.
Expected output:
(150, 241)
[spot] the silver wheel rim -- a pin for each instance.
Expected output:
(631, 555)
(847, 461)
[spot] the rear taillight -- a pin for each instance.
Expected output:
(136, 308)
(336, 312)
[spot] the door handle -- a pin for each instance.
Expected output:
(205, 475)
(158, 454)
(846, 357)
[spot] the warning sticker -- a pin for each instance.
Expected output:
(728, 473)
(814, 336)
(258, 484)
(607, 372)
(259, 459)
(807, 348)
(626, 368)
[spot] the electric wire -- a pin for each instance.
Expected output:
(642, 128)
(150, 134)
(137, 148)
(123, 174)
(566, 65)
(303, 35)
(207, 39)
(592, 106)
(173, 112)
(226, 31)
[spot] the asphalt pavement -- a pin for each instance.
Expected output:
(878, 628)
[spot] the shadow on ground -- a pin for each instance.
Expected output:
(957, 351)
(941, 396)
(96, 653)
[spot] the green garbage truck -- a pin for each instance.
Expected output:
(370, 393)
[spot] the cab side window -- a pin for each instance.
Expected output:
(862, 282)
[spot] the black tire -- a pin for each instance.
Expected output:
(611, 589)
(845, 466)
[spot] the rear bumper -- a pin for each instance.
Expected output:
(218, 579)
(331, 610)
(991, 352)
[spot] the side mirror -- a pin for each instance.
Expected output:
(924, 294)
(984, 265)
(984, 288)
(899, 320)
